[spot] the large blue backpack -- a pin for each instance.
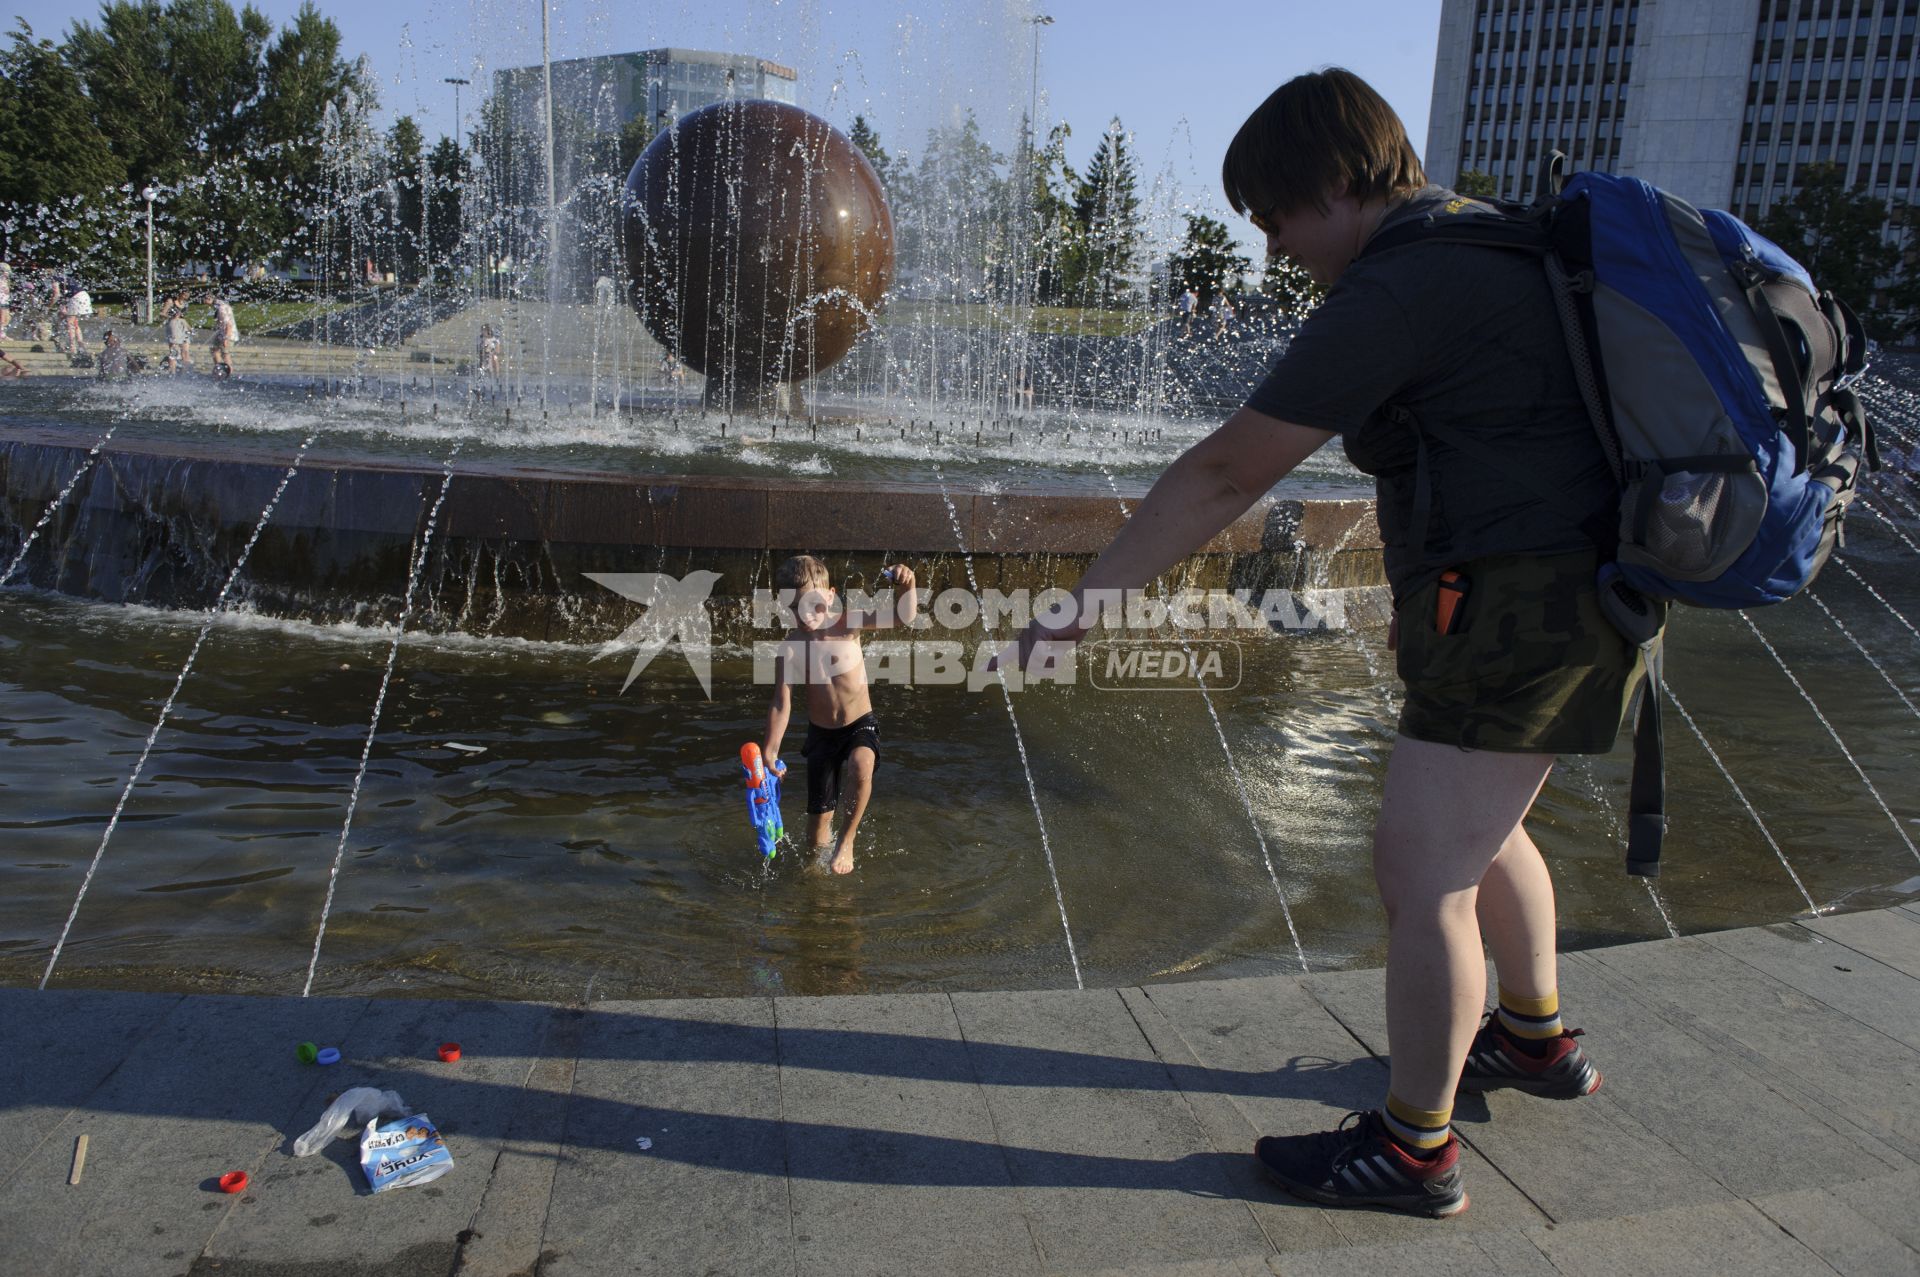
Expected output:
(1717, 378)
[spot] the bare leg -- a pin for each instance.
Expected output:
(1431, 851)
(1517, 917)
(859, 787)
(819, 832)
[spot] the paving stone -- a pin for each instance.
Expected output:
(1811, 964)
(1453, 1254)
(1846, 1070)
(45, 1074)
(1111, 1166)
(1890, 936)
(510, 1223)
(1719, 1237)
(1724, 1111)
(1846, 1240)
(892, 1156)
(700, 1079)
(1274, 1062)
(1887, 1201)
(320, 1209)
(211, 1089)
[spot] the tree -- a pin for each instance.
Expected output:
(1838, 235)
(228, 120)
(1292, 289)
(867, 142)
(1107, 208)
(1476, 185)
(405, 202)
(1207, 262)
(51, 152)
(1052, 227)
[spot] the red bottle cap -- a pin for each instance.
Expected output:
(233, 1182)
(449, 1052)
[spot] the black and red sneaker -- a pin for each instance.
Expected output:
(1358, 1164)
(1496, 1062)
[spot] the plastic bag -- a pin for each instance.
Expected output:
(355, 1108)
(403, 1153)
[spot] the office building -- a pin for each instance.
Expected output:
(610, 90)
(1720, 101)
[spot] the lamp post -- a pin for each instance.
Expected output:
(148, 195)
(1025, 258)
(456, 82)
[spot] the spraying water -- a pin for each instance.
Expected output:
(379, 703)
(166, 709)
(1033, 792)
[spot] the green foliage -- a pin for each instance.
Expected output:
(1836, 234)
(1106, 208)
(1293, 290)
(225, 118)
(1208, 262)
(867, 141)
(1476, 185)
(50, 149)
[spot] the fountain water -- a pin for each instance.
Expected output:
(166, 708)
(379, 704)
(53, 506)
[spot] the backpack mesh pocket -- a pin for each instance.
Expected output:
(1693, 525)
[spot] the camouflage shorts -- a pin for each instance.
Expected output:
(1534, 668)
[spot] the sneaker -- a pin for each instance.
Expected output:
(1359, 1165)
(1495, 1062)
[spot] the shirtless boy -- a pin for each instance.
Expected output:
(843, 736)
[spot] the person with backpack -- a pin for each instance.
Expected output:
(1500, 641)
(1539, 505)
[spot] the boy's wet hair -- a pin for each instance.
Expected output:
(801, 572)
(1314, 134)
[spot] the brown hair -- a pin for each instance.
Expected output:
(801, 572)
(1312, 135)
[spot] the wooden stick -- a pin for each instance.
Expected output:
(79, 1160)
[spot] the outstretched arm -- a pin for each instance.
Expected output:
(778, 712)
(1209, 486)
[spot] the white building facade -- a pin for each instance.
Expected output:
(1720, 101)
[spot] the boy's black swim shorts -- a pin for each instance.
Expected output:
(826, 750)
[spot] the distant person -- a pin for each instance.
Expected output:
(1189, 302)
(6, 298)
(1223, 309)
(179, 334)
(77, 305)
(226, 332)
(487, 349)
(10, 368)
(113, 357)
(672, 371)
(843, 736)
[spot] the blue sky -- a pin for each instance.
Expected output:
(1181, 76)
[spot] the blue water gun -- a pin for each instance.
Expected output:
(763, 797)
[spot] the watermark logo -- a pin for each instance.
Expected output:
(676, 617)
(1123, 665)
(1168, 642)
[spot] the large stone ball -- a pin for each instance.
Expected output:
(758, 244)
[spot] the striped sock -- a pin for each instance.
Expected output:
(1530, 1022)
(1422, 1132)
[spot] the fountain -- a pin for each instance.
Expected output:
(332, 636)
(758, 243)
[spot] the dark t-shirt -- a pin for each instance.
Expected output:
(1463, 335)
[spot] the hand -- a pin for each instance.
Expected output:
(1019, 652)
(901, 575)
